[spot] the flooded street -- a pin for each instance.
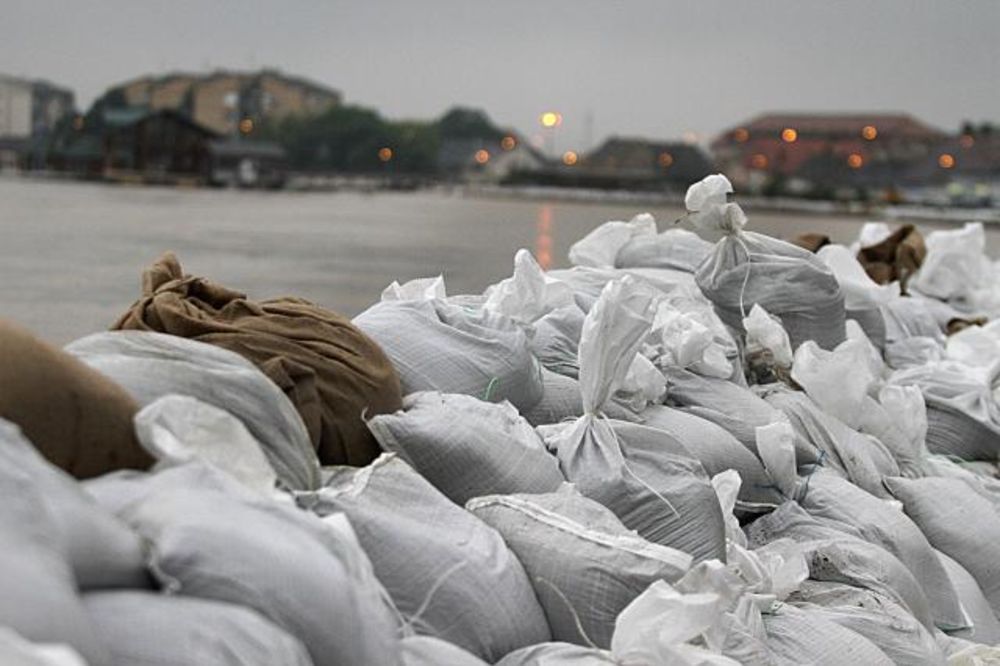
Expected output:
(72, 254)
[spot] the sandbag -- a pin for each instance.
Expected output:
(450, 575)
(467, 447)
(332, 372)
(955, 265)
(440, 346)
(798, 636)
(835, 556)
(833, 500)
(102, 550)
(557, 654)
(146, 629)
(952, 432)
(879, 619)
(717, 450)
(585, 565)
(80, 420)
(289, 566)
(985, 626)
(600, 247)
(907, 317)
(556, 340)
(16, 651)
(430, 651)
(679, 249)
(562, 400)
(645, 476)
(151, 365)
(747, 268)
(38, 592)
(958, 522)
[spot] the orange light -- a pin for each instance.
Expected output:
(482, 156)
(967, 141)
(869, 132)
(855, 161)
(759, 161)
(551, 119)
(570, 158)
(246, 126)
(742, 135)
(508, 143)
(385, 154)
(789, 135)
(946, 161)
(665, 160)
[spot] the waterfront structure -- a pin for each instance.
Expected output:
(646, 162)
(30, 110)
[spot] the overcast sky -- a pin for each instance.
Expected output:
(656, 68)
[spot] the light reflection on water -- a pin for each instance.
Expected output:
(543, 236)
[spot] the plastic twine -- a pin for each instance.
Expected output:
(425, 604)
(635, 476)
(746, 278)
(489, 389)
(815, 466)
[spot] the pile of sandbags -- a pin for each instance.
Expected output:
(672, 453)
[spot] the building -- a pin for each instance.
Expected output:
(642, 163)
(961, 170)
(226, 102)
(153, 146)
(30, 111)
(488, 159)
(243, 163)
(803, 151)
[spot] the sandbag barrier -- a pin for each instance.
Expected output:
(675, 451)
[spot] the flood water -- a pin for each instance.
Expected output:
(72, 254)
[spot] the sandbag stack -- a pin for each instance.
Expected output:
(672, 453)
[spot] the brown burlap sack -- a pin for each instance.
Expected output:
(896, 258)
(332, 372)
(811, 241)
(78, 419)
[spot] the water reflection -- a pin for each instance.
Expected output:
(543, 236)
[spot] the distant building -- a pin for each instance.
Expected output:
(227, 102)
(962, 170)
(242, 163)
(30, 110)
(646, 162)
(491, 159)
(806, 150)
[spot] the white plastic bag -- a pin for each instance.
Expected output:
(600, 247)
(764, 333)
(420, 289)
(837, 380)
(529, 294)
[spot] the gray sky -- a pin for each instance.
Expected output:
(656, 68)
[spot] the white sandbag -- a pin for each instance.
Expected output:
(449, 574)
(117, 491)
(419, 289)
(529, 294)
(678, 249)
(38, 591)
(717, 450)
(430, 651)
(288, 565)
(683, 338)
(836, 380)
(914, 351)
(585, 565)
(955, 264)
(973, 655)
(959, 523)
(556, 340)
(859, 458)
(148, 629)
(799, 636)
(888, 428)
(986, 485)
(907, 317)
(441, 346)
(833, 500)
(642, 385)
(102, 550)
(962, 413)
(860, 291)
(747, 268)
(766, 334)
(885, 623)
(645, 476)
(558, 654)
(733, 407)
(836, 556)
(562, 400)
(16, 651)
(151, 365)
(177, 429)
(599, 248)
(467, 447)
(985, 626)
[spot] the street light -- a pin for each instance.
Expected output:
(482, 156)
(789, 135)
(869, 132)
(946, 160)
(570, 158)
(551, 119)
(384, 154)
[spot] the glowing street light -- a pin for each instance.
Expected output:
(869, 132)
(946, 161)
(246, 126)
(482, 156)
(551, 119)
(665, 160)
(855, 161)
(570, 158)
(508, 143)
(789, 135)
(385, 154)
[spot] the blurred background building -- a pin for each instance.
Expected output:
(30, 110)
